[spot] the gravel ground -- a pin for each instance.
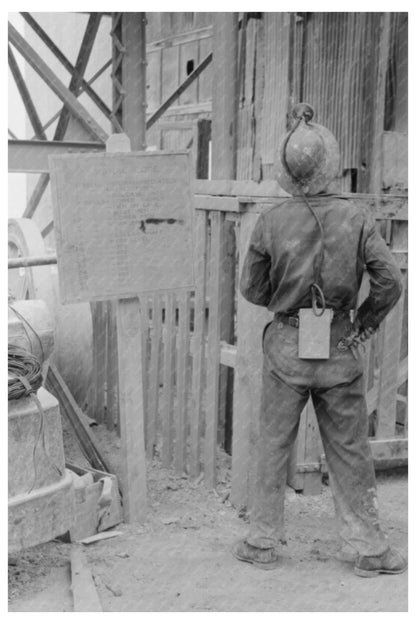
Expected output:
(180, 560)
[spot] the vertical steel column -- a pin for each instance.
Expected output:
(134, 78)
(117, 72)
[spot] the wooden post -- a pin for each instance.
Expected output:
(376, 170)
(213, 349)
(224, 166)
(129, 339)
(225, 96)
(251, 320)
(198, 351)
(128, 347)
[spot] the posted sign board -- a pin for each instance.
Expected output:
(123, 224)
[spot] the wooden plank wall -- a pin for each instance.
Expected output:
(172, 49)
(276, 92)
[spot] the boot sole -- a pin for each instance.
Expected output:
(373, 573)
(263, 566)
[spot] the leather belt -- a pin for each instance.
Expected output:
(293, 319)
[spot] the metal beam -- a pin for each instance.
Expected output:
(85, 85)
(134, 78)
(43, 181)
(90, 82)
(36, 196)
(182, 87)
(57, 86)
(80, 68)
(26, 97)
(32, 156)
(74, 88)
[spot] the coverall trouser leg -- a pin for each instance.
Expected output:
(342, 418)
(337, 390)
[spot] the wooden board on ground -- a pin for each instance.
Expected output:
(123, 224)
(82, 584)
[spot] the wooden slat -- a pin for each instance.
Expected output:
(268, 188)
(228, 354)
(112, 414)
(390, 449)
(182, 367)
(99, 358)
(309, 451)
(250, 198)
(168, 380)
(386, 408)
(153, 390)
(83, 588)
(55, 384)
(144, 313)
(129, 338)
(201, 229)
(213, 350)
(209, 202)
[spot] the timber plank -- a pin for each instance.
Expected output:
(153, 391)
(57, 386)
(213, 350)
(83, 588)
(251, 320)
(201, 236)
(129, 338)
(181, 402)
(99, 357)
(168, 379)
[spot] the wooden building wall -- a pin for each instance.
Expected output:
(332, 60)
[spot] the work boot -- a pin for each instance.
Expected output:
(389, 562)
(265, 558)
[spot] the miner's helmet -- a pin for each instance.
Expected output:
(308, 157)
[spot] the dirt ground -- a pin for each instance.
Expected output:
(180, 560)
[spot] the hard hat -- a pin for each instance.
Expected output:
(308, 157)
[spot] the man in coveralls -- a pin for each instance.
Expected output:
(310, 253)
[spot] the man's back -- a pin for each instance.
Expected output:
(279, 266)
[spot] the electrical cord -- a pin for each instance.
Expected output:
(26, 322)
(305, 112)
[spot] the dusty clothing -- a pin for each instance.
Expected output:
(278, 269)
(277, 273)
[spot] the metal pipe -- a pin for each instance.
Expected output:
(29, 261)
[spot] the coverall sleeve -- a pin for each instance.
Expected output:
(385, 278)
(255, 283)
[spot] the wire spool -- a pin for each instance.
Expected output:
(24, 373)
(72, 323)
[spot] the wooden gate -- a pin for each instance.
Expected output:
(183, 353)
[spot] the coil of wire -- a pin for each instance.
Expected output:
(24, 373)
